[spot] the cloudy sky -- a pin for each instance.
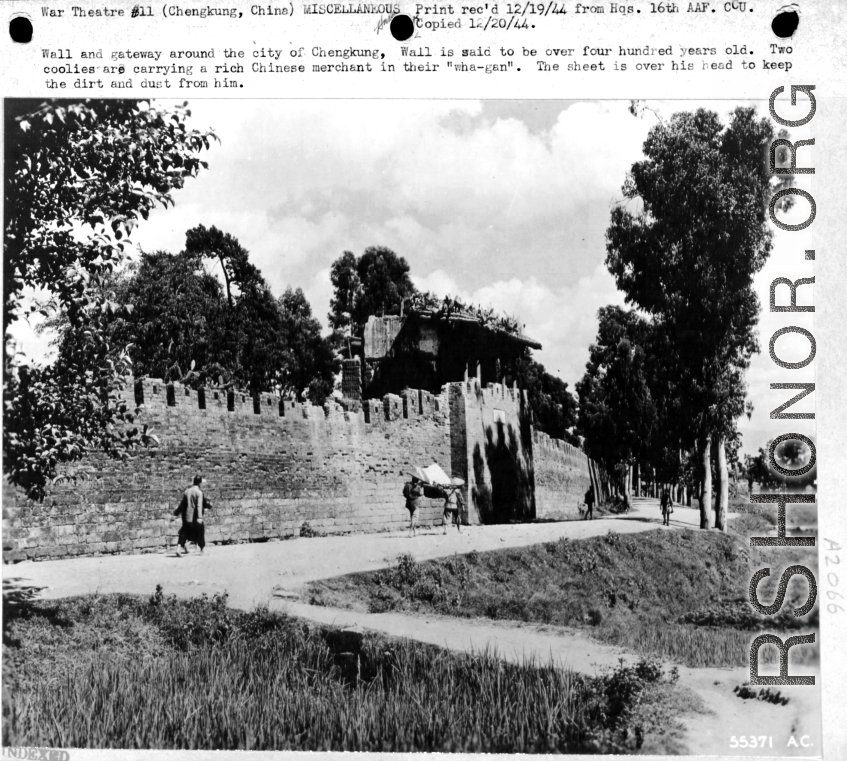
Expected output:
(504, 203)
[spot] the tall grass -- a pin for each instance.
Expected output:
(679, 595)
(691, 645)
(236, 697)
(225, 680)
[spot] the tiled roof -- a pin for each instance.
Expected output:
(471, 319)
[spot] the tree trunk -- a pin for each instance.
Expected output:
(722, 489)
(705, 495)
(627, 486)
(718, 476)
(595, 483)
(635, 478)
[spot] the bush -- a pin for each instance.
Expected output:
(228, 679)
(307, 532)
(746, 692)
(409, 581)
(619, 707)
(191, 623)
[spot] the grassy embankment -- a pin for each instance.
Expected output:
(124, 672)
(680, 595)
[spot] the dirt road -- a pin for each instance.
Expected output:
(707, 734)
(250, 573)
(271, 573)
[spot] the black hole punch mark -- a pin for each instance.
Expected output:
(402, 27)
(230, 401)
(170, 395)
(785, 23)
(20, 29)
(257, 405)
(201, 398)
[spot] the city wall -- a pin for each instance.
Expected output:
(273, 464)
(561, 477)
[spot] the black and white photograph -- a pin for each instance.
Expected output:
(423, 425)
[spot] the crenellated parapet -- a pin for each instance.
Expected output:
(172, 400)
(542, 441)
(492, 394)
(270, 464)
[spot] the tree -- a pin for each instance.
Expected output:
(252, 345)
(177, 321)
(378, 282)
(236, 268)
(553, 406)
(616, 410)
(78, 178)
(310, 364)
(793, 452)
(758, 470)
(184, 327)
(345, 280)
(662, 454)
(688, 255)
(375, 283)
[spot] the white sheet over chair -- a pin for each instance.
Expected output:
(435, 476)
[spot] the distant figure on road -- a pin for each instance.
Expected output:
(413, 491)
(667, 507)
(589, 504)
(192, 508)
(453, 504)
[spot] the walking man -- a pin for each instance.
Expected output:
(667, 507)
(191, 508)
(413, 491)
(452, 508)
(589, 504)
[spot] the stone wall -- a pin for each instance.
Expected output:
(497, 451)
(561, 477)
(271, 465)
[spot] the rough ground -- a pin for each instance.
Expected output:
(252, 572)
(270, 573)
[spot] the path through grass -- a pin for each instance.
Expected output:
(681, 595)
(123, 672)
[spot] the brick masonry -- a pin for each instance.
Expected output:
(561, 477)
(273, 464)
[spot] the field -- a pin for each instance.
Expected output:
(109, 671)
(122, 671)
(681, 595)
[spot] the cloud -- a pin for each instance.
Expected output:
(440, 182)
(503, 203)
